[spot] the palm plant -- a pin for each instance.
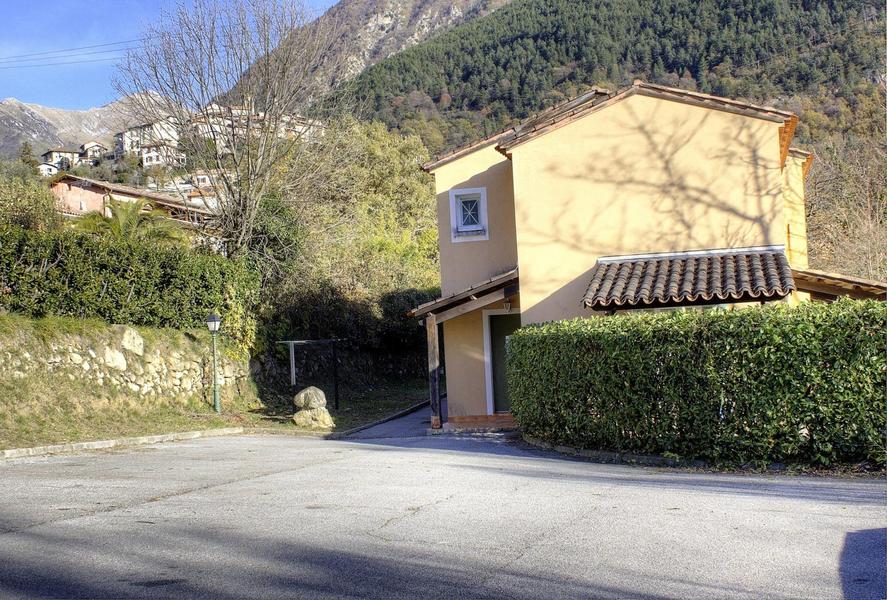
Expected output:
(134, 221)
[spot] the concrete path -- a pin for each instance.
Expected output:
(429, 517)
(412, 425)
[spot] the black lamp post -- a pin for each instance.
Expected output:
(213, 322)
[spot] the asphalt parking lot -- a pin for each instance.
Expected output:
(431, 517)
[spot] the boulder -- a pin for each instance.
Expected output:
(132, 341)
(114, 359)
(310, 397)
(313, 418)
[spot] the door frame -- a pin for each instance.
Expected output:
(488, 353)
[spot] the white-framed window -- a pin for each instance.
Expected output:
(468, 215)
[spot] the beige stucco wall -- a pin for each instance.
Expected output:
(466, 263)
(794, 194)
(642, 175)
(795, 214)
(464, 356)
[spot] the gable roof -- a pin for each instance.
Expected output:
(599, 98)
(61, 151)
(512, 130)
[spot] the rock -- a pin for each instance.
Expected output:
(114, 359)
(75, 358)
(132, 341)
(313, 418)
(309, 398)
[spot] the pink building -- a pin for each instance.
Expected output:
(79, 195)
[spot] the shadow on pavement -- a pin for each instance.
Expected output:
(864, 565)
(198, 563)
(800, 487)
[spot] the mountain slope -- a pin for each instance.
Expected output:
(484, 74)
(45, 127)
(372, 30)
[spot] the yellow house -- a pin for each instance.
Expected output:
(645, 198)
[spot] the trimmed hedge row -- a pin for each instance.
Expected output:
(79, 275)
(802, 384)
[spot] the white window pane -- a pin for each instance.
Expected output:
(470, 213)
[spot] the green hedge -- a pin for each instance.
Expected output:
(786, 384)
(78, 275)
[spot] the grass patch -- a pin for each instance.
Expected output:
(48, 328)
(36, 411)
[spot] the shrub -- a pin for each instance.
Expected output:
(78, 275)
(799, 384)
(25, 200)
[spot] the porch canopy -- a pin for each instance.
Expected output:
(689, 279)
(828, 287)
(495, 289)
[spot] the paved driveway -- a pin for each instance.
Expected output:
(276, 516)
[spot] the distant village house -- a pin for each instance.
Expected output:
(47, 169)
(92, 152)
(62, 158)
(130, 141)
(78, 196)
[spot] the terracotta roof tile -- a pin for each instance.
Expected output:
(691, 278)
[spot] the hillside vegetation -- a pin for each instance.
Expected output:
(823, 60)
(820, 55)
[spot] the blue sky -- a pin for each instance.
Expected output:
(36, 27)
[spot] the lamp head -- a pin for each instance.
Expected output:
(213, 322)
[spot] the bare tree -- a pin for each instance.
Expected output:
(847, 207)
(238, 82)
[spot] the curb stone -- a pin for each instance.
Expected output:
(306, 433)
(604, 456)
(116, 443)
(478, 432)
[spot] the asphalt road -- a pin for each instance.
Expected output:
(265, 517)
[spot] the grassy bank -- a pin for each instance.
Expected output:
(72, 412)
(71, 380)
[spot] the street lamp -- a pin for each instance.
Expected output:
(213, 322)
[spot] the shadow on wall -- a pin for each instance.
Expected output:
(864, 564)
(649, 193)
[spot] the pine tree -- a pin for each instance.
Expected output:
(26, 155)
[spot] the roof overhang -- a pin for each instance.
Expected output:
(803, 155)
(599, 98)
(834, 285)
(555, 119)
(497, 288)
